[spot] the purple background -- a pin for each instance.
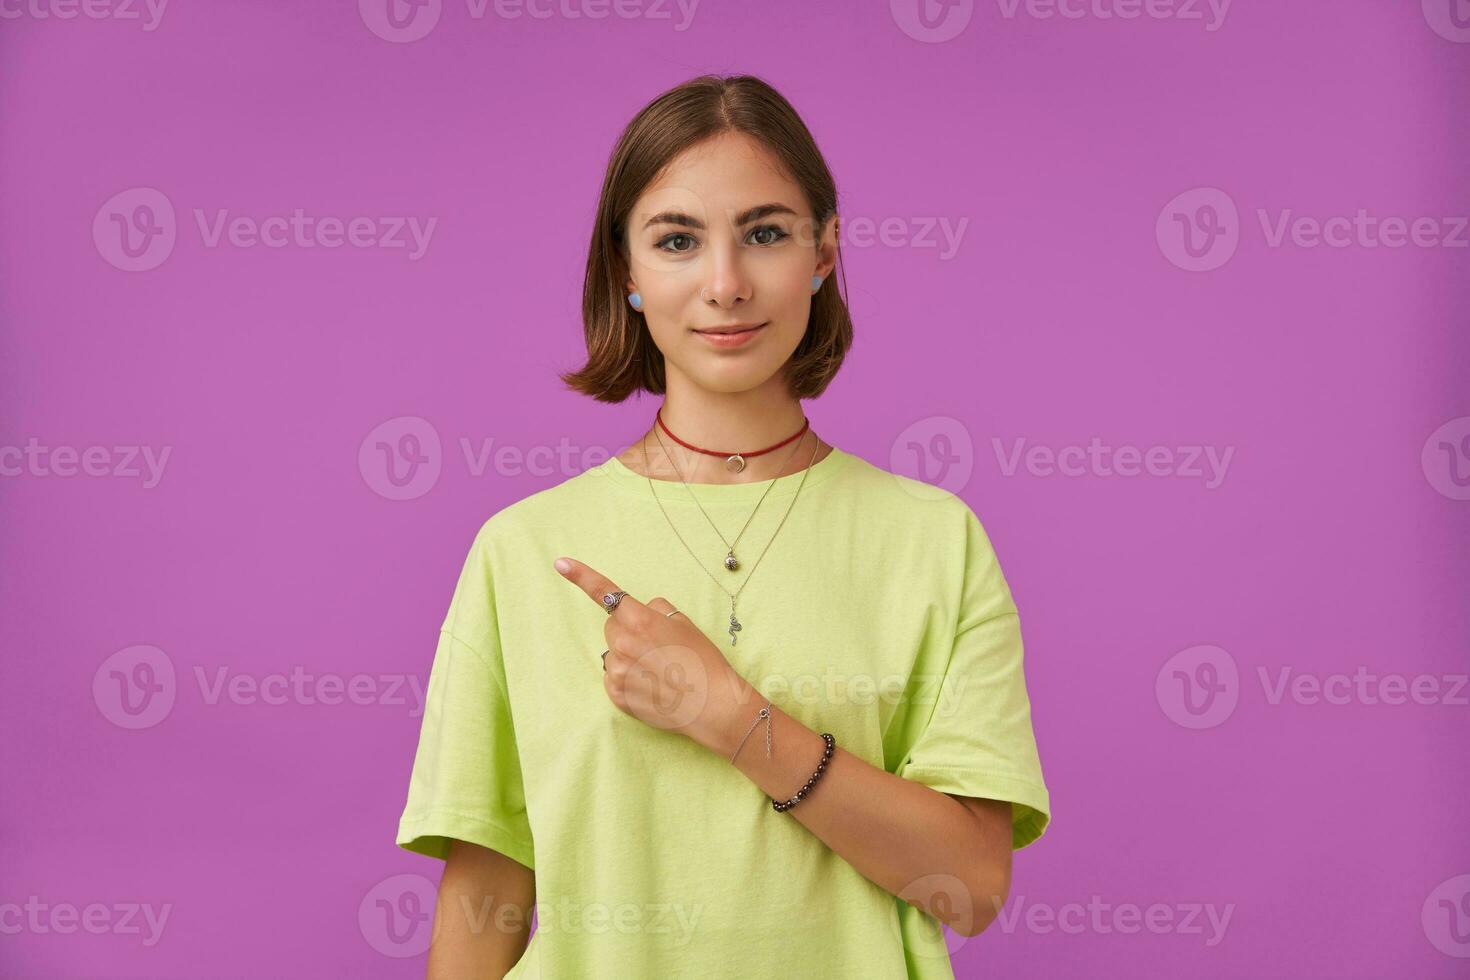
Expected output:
(1336, 540)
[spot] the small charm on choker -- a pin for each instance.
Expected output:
(735, 463)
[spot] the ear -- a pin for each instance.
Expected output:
(827, 247)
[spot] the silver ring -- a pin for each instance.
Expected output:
(611, 600)
(674, 613)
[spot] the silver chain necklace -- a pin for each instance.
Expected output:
(730, 561)
(735, 625)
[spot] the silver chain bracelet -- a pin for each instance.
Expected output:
(765, 713)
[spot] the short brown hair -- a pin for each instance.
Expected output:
(621, 355)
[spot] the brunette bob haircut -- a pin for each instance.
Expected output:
(621, 356)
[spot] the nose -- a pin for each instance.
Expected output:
(726, 283)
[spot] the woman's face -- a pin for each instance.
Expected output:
(725, 238)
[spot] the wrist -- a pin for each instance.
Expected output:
(728, 714)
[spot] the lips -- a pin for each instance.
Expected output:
(727, 337)
(738, 328)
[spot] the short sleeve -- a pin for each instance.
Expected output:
(466, 780)
(978, 740)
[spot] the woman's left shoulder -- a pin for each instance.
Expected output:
(908, 498)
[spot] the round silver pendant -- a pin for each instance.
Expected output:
(735, 463)
(730, 562)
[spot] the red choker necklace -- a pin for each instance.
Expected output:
(734, 461)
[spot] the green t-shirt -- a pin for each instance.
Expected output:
(878, 613)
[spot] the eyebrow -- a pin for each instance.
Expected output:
(744, 218)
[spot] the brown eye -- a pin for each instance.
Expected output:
(663, 243)
(777, 232)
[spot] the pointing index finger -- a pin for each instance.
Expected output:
(590, 581)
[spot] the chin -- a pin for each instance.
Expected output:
(732, 383)
(731, 376)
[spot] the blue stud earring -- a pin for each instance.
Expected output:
(816, 283)
(636, 300)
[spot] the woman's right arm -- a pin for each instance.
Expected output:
(483, 917)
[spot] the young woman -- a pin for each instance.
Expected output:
(734, 703)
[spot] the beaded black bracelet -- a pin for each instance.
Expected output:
(821, 768)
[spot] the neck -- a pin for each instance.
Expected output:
(733, 422)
